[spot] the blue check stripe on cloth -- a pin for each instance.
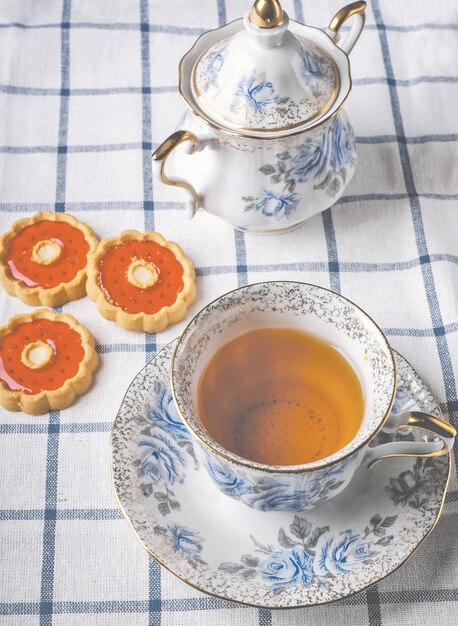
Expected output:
(87, 90)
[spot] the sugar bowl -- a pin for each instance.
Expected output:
(264, 143)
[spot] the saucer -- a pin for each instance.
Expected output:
(277, 559)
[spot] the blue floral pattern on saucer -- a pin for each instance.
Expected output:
(276, 559)
(411, 487)
(312, 554)
(183, 541)
(164, 449)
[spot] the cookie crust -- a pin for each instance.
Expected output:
(38, 295)
(147, 322)
(66, 394)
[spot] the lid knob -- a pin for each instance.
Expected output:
(266, 14)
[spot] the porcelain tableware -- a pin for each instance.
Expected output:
(334, 319)
(274, 560)
(265, 143)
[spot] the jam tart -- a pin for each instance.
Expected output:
(43, 258)
(46, 360)
(141, 281)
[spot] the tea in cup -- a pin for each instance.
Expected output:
(280, 396)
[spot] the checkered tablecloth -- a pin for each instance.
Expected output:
(87, 89)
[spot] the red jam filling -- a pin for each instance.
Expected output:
(74, 249)
(68, 353)
(118, 290)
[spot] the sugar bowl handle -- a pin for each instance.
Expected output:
(356, 9)
(414, 419)
(160, 156)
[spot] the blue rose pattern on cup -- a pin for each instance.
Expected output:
(229, 482)
(311, 554)
(327, 162)
(270, 494)
(288, 492)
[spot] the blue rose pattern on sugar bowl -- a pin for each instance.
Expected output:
(336, 320)
(266, 143)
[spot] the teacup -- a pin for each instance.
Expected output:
(339, 322)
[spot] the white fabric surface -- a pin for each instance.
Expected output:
(71, 75)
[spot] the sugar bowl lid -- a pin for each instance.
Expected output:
(265, 75)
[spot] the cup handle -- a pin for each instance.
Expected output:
(414, 419)
(160, 156)
(357, 9)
